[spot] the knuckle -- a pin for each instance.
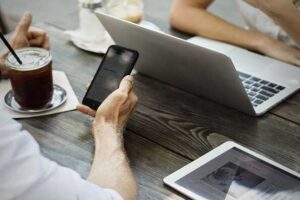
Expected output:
(128, 83)
(122, 95)
(135, 98)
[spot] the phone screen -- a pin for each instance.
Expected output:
(116, 64)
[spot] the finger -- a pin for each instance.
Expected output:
(135, 98)
(126, 84)
(46, 43)
(35, 32)
(115, 100)
(86, 110)
(133, 108)
(24, 24)
(128, 109)
(129, 104)
(134, 101)
(38, 41)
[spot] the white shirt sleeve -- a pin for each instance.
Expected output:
(25, 174)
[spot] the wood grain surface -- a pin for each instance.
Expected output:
(170, 127)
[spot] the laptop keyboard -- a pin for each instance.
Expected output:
(259, 90)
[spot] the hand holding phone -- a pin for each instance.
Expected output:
(116, 64)
(116, 109)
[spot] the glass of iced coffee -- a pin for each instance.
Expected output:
(31, 82)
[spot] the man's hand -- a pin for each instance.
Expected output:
(26, 36)
(116, 108)
(110, 168)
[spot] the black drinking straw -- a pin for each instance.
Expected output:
(10, 48)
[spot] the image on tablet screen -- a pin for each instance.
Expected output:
(233, 180)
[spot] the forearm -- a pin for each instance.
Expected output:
(110, 168)
(198, 21)
(289, 20)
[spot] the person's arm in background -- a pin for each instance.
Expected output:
(284, 13)
(24, 36)
(110, 168)
(192, 16)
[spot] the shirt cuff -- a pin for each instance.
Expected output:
(114, 194)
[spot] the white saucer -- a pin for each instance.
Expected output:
(95, 47)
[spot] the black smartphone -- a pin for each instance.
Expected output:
(116, 64)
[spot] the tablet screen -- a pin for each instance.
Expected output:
(238, 175)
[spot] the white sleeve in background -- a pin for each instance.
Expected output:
(26, 175)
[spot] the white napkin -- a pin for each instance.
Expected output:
(96, 47)
(79, 40)
(60, 79)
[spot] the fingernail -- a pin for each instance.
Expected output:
(129, 77)
(27, 14)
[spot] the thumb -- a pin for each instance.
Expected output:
(126, 84)
(24, 24)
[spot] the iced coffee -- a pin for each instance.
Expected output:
(31, 82)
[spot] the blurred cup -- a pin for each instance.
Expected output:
(91, 29)
(130, 10)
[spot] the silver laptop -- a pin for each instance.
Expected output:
(248, 82)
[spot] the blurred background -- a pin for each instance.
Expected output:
(57, 12)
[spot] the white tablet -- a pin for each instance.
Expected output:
(232, 172)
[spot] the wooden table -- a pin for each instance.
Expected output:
(169, 129)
